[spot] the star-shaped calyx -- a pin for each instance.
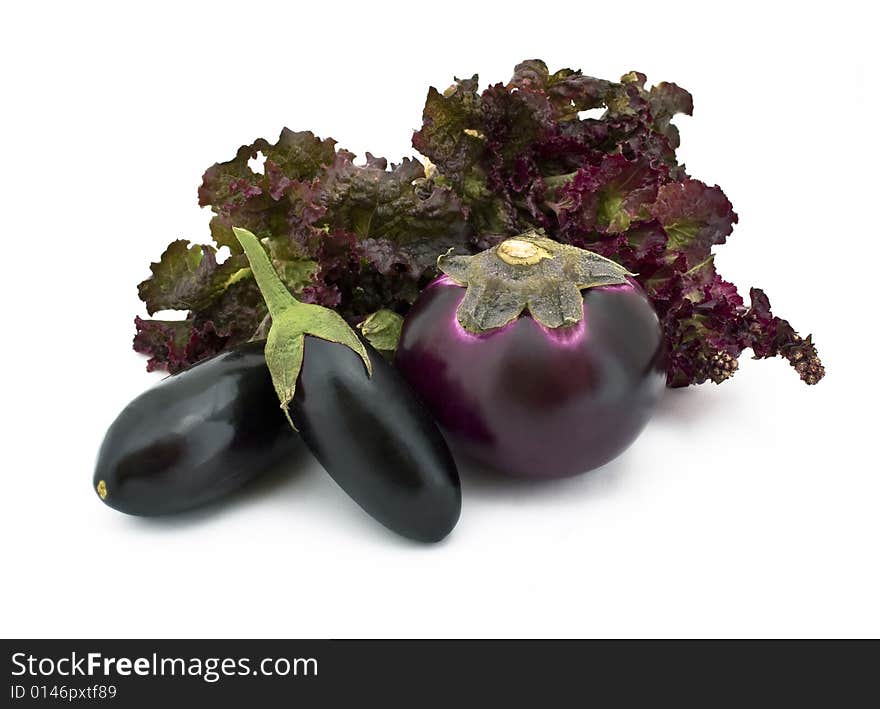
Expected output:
(527, 272)
(291, 322)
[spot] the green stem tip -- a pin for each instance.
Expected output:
(274, 292)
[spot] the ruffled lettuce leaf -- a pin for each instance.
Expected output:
(357, 238)
(523, 154)
(694, 216)
(187, 277)
(590, 161)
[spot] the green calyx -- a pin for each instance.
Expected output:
(291, 322)
(531, 272)
(382, 330)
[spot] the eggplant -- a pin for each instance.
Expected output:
(537, 359)
(376, 440)
(195, 437)
(356, 413)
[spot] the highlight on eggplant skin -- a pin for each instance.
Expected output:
(377, 440)
(196, 436)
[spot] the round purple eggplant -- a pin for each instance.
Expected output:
(536, 360)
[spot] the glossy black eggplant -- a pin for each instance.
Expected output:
(376, 440)
(196, 436)
(355, 412)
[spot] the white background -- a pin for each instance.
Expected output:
(745, 509)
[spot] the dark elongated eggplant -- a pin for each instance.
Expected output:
(377, 440)
(196, 436)
(356, 413)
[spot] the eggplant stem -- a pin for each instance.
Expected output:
(275, 293)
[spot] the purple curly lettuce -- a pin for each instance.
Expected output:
(360, 238)
(521, 155)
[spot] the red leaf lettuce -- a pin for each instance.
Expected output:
(361, 238)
